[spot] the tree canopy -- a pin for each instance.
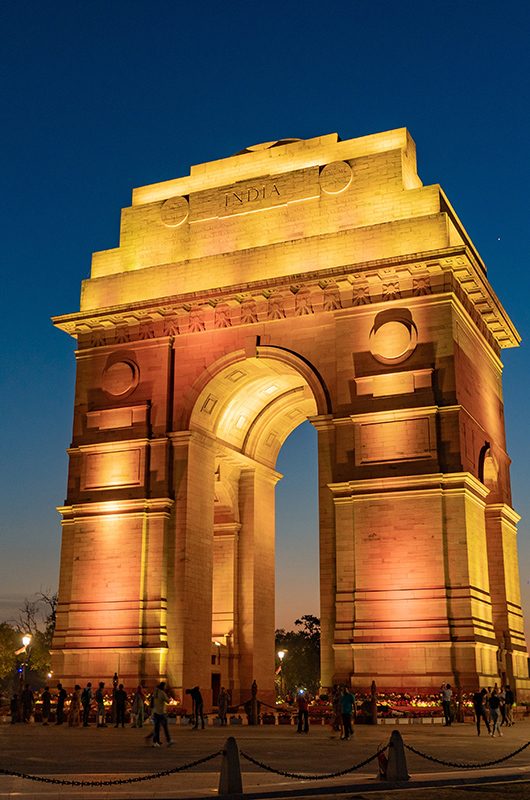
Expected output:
(37, 618)
(300, 667)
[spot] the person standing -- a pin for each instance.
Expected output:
(46, 700)
(27, 703)
(86, 701)
(74, 714)
(100, 703)
(61, 699)
(160, 699)
(502, 698)
(509, 699)
(138, 707)
(480, 710)
(347, 706)
(115, 682)
(487, 703)
(223, 703)
(447, 694)
(494, 704)
(120, 698)
(197, 706)
(336, 722)
(303, 712)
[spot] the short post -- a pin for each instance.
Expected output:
(396, 769)
(373, 703)
(253, 716)
(230, 783)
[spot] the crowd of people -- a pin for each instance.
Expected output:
(492, 706)
(78, 708)
(75, 709)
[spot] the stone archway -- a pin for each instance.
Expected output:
(246, 409)
(300, 279)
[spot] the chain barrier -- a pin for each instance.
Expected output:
(300, 776)
(469, 764)
(114, 781)
(284, 773)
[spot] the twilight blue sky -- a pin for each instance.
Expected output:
(100, 97)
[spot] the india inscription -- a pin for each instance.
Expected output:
(250, 195)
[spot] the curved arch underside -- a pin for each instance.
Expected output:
(253, 405)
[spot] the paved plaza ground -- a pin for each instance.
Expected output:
(77, 753)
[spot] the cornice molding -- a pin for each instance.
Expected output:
(347, 491)
(115, 508)
(420, 278)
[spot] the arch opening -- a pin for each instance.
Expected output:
(246, 411)
(297, 528)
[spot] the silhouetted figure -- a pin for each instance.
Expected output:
(373, 703)
(253, 707)
(495, 703)
(120, 698)
(74, 714)
(100, 702)
(509, 700)
(223, 702)
(303, 713)
(86, 700)
(197, 707)
(27, 703)
(447, 694)
(61, 699)
(115, 682)
(347, 705)
(46, 700)
(480, 710)
(138, 707)
(336, 722)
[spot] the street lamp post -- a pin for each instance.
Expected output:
(281, 656)
(26, 641)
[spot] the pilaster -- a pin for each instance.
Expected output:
(256, 581)
(190, 562)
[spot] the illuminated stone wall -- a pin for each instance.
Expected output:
(301, 279)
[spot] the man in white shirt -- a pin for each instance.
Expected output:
(160, 698)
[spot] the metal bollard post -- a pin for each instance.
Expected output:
(230, 783)
(396, 769)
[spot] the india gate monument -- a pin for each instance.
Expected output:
(316, 280)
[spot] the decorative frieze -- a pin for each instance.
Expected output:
(316, 294)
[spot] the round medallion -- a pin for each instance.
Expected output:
(174, 212)
(393, 341)
(335, 177)
(120, 378)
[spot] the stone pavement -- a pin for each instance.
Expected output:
(93, 754)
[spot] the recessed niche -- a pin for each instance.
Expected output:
(393, 337)
(120, 377)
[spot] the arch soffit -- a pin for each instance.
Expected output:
(312, 377)
(253, 403)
